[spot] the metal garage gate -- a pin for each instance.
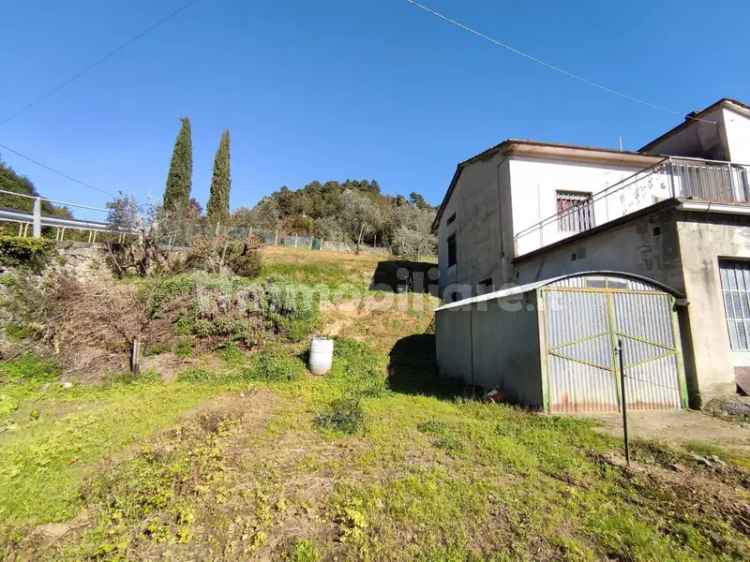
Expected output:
(584, 318)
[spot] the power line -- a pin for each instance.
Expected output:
(546, 64)
(56, 171)
(85, 70)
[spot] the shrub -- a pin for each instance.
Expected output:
(34, 253)
(344, 415)
(275, 366)
(293, 311)
(244, 259)
(184, 348)
(232, 354)
(213, 254)
(358, 368)
(140, 256)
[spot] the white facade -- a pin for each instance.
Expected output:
(677, 212)
(504, 203)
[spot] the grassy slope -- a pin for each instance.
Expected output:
(428, 476)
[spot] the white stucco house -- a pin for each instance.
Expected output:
(676, 212)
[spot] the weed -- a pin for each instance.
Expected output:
(343, 415)
(303, 551)
(444, 438)
(232, 354)
(29, 368)
(184, 348)
(274, 365)
(195, 375)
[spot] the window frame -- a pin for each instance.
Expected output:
(735, 292)
(570, 221)
(452, 248)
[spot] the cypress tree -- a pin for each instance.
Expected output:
(221, 183)
(179, 180)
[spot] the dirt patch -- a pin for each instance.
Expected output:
(681, 428)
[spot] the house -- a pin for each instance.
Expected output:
(676, 212)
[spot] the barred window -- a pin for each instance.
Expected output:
(735, 284)
(576, 210)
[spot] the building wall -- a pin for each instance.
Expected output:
(505, 351)
(479, 240)
(702, 244)
(737, 127)
(646, 246)
(700, 139)
(535, 183)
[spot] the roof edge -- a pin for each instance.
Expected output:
(690, 118)
(540, 149)
(525, 288)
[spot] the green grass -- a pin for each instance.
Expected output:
(56, 436)
(248, 456)
(413, 475)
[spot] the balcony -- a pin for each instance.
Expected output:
(704, 180)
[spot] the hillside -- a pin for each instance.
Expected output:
(15, 183)
(236, 454)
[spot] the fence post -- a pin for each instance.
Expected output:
(37, 229)
(275, 237)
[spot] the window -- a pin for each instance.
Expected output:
(451, 250)
(735, 284)
(451, 219)
(576, 210)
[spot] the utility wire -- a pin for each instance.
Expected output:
(85, 70)
(56, 171)
(546, 64)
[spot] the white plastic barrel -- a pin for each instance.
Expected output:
(321, 355)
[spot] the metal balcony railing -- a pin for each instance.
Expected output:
(704, 180)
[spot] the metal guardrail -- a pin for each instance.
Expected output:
(673, 177)
(9, 215)
(36, 220)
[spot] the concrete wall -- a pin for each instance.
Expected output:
(480, 246)
(700, 139)
(647, 246)
(737, 126)
(703, 241)
(505, 347)
(535, 183)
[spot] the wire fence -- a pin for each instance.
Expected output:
(182, 234)
(25, 215)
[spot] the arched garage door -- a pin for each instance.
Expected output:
(584, 319)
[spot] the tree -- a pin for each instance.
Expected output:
(360, 216)
(413, 235)
(124, 212)
(179, 180)
(418, 201)
(221, 183)
(266, 215)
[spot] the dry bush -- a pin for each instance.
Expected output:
(90, 326)
(220, 254)
(140, 256)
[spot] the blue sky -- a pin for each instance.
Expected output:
(346, 89)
